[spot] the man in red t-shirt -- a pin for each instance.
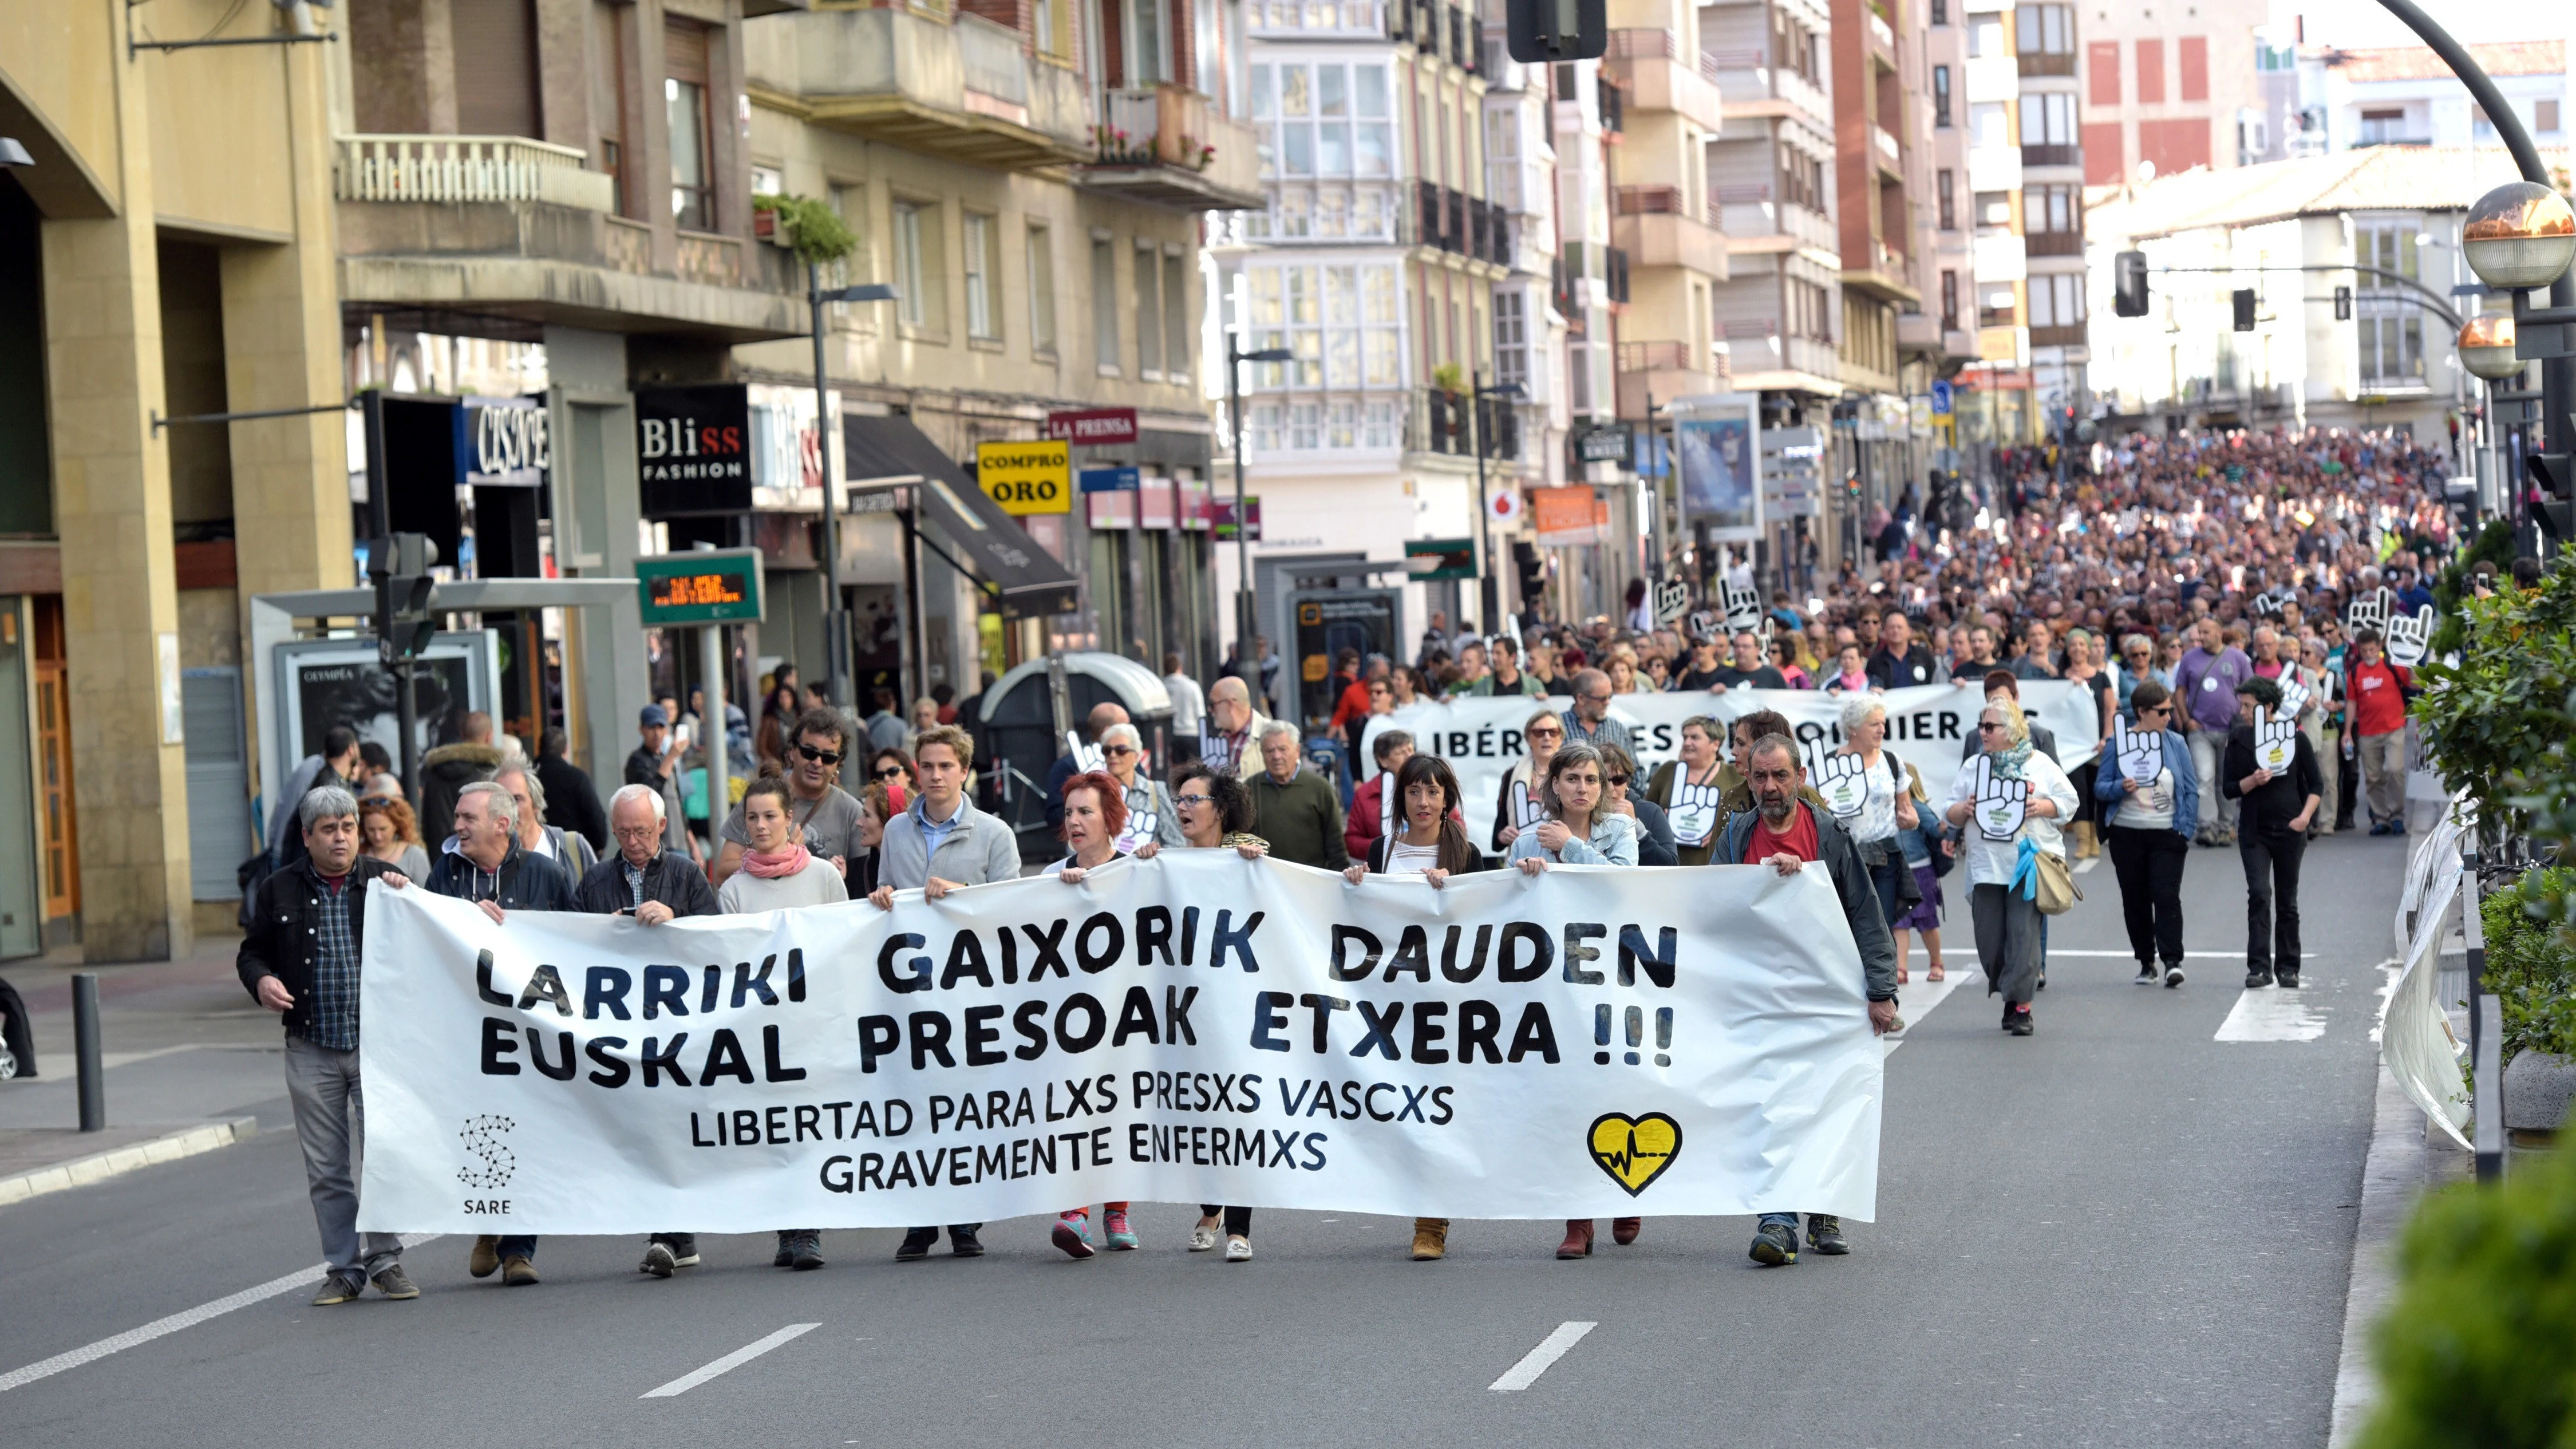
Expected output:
(2374, 729)
(1784, 832)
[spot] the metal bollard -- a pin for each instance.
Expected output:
(93, 1069)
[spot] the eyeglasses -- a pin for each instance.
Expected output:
(1192, 799)
(1618, 779)
(1544, 734)
(1985, 725)
(821, 757)
(886, 772)
(1117, 749)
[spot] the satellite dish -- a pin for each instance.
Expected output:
(2146, 172)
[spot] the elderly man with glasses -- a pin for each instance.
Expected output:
(825, 815)
(1589, 721)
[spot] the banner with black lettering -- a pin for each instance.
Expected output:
(1192, 1028)
(1926, 726)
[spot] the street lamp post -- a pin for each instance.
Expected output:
(1246, 667)
(1488, 587)
(835, 635)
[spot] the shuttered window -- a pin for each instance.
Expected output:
(496, 67)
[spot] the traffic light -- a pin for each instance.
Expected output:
(2244, 309)
(1544, 32)
(399, 565)
(2129, 284)
(2343, 304)
(2555, 473)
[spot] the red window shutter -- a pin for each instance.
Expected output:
(2102, 72)
(2151, 72)
(2192, 58)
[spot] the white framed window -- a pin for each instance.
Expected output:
(1511, 340)
(917, 265)
(1149, 309)
(983, 309)
(1323, 119)
(1041, 289)
(1104, 303)
(2048, 120)
(2057, 300)
(1176, 317)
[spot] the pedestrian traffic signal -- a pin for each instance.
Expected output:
(2129, 284)
(2343, 304)
(1545, 32)
(399, 566)
(2244, 309)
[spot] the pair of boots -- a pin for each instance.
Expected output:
(1578, 1235)
(2088, 843)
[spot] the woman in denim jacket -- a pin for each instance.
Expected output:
(2148, 827)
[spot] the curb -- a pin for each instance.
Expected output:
(2393, 1176)
(98, 1167)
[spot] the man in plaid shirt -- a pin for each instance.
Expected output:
(300, 959)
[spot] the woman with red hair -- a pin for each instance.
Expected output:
(1095, 811)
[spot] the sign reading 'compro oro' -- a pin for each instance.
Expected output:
(1027, 477)
(1192, 1028)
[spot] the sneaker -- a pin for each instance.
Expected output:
(2009, 1014)
(1775, 1245)
(1072, 1235)
(1624, 1231)
(2043, 982)
(785, 1257)
(2397, 826)
(2286, 980)
(2021, 1024)
(1238, 1250)
(2147, 973)
(485, 1260)
(2257, 976)
(916, 1245)
(659, 1260)
(1825, 1235)
(962, 1242)
(1430, 1239)
(1203, 1239)
(684, 1249)
(394, 1283)
(2173, 975)
(517, 1272)
(1113, 1227)
(805, 1251)
(337, 1288)
(2379, 827)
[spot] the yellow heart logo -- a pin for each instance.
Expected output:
(1635, 1150)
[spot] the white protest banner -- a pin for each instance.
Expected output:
(1590, 1042)
(1926, 726)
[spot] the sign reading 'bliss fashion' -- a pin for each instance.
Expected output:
(693, 449)
(1194, 1028)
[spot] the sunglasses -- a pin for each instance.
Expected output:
(1618, 779)
(1117, 749)
(1985, 725)
(889, 772)
(820, 757)
(1549, 734)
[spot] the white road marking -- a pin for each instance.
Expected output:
(190, 1318)
(731, 1361)
(2267, 1013)
(2056, 951)
(2087, 863)
(1916, 1001)
(1535, 1362)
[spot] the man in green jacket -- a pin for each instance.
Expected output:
(1506, 676)
(1294, 808)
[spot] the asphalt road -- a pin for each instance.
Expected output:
(2121, 1231)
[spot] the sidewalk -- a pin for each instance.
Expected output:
(188, 1054)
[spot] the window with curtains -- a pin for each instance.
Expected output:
(1176, 317)
(2044, 29)
(980, 240)
(2052, 209)
(1941, 96)
(1344, 323)
(1949, 301)
(910, 268)
(1326, 139)
(2048, 120)
(2057, 300)
(1148, 54)
(1945, 193)
(684, 107)
(1042, 291)
(1511, 340)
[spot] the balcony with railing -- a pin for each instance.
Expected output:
(1649, 66)
(1614, 106)
(1451, 221)
(1885, 151)
(515, 228)
(1169, 145)
(2052, 155)
(2044, 62)
(1281, 18)
(1664, 370)
(2054, 244)
(1653, 226)
(963, 88)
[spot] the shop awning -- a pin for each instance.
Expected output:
(987, 540)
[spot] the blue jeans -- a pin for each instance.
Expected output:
(1788, 1220)
(517, 1247)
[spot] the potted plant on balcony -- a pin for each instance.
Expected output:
(1198, 153)
(811, 229)
(1118, 147)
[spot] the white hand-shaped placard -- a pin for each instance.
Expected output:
(2294, 695)
(2371, 610)
(1844, 782)
(2275, 740)
(2141, 753)
(1086, 757)
(1140, 829)
(1672, 600)
(1743, 607)
(2409, 635)
(2001, 803)
(1694, 814)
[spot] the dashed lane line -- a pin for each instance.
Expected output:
(732, 1361)
(188, 1318)
(1535, 1362)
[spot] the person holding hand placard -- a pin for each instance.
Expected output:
(2273, 770)
(2010, 797)
(2150, 798)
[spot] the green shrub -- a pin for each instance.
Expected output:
(2479, 1350)
(2498, 711)
(815, 230)
(2494, 545)
(2530, 967)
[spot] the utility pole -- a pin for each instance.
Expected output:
(836, 638)
(1246, 667)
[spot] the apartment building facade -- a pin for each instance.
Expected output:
(1373, 261)
(1929, 334)
(2168, 87)
(1030, 178)
(2406, 96)
(1771, 178)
